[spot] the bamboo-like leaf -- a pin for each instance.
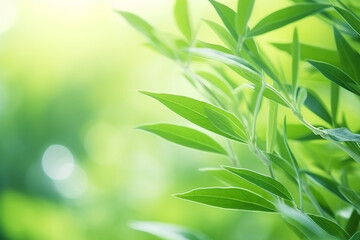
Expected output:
(285, 16)
(185, 136)
(227, 16)
(343, 135)
(329, 226)
(295, 52)
(350, 59)
(353, 223)
(336, 75)
(228, 125)
(194, 111)
(350, 18)
(283, 164)
(322, 201)
(300, 132)
(202, 44)
(315, 104)
(250, 73)
(244, 10)
(334, 102)
(217, 82)
(271, 131)
(223, 34)
(182, 18)
(265, 182)
(230, 198)
(232, 180)
(312, 52)
(351, 196)
(303, 223)
(167, 231)
(301, 97)
(327, 183)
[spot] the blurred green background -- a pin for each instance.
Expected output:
(71, 164)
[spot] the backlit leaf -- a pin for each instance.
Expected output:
(182, 18)
(265, 182)
(230, 198)
(329, 226)
(285, 16)
(350, 18)
(227, 15)
(244, 9)
(185, 136)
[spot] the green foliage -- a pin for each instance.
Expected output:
(234, 108)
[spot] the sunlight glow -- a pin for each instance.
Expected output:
(57, 162)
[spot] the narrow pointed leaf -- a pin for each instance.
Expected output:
(330, 227)
(336, 75)
(230, 198)
(227, 16)
(343, 135)
(244, 10)
(185, 136)
(182, 18)
(295, 61)
(217, 47)
(228, 125)
(351, 196)
(350, 18)
(334, 102)
(312, 52)
(192, 110)
(285, 16)
(138, 23)
(350, 59)
(217, 82)
(223, 34)
(353, 222)
(315, 104)
(232, 180)
(327, 183)
(265, 182)
(283, 164)
(271, 131)
(167, 231)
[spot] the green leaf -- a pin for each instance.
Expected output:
(228, 125)
(265, 182)
(244, 10)
(350, 59)
(330, 227)
(182, 18)
(295, 61)
(217, 82)
(350, 18)
(167, 231)
(271, 132)
(312, 52)
(232, 180)
(223, 34)
(185, 136)
(249, 72)
(300, 132)
(351, 196)
(327, 183)
(321, 200)
(227, 16)
(302, 222)
(334, 102)
(342, 135)
(315, 104)
(193, 110)
(336, 75)
(353, 222)
(283, 164)
(356, 236)
(202, 44)
(285, 16)
(230, 198)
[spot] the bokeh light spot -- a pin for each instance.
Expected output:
(57, 162)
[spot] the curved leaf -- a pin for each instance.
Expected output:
(314, 104)
(227, 15)
(265, 182)
(244, 9)
(285, 16)
(351, 196)
(350, 18)
(329, 226)
(182, 18)
(231, 198)
(343, 135)
(194, 111)
(185, 136)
